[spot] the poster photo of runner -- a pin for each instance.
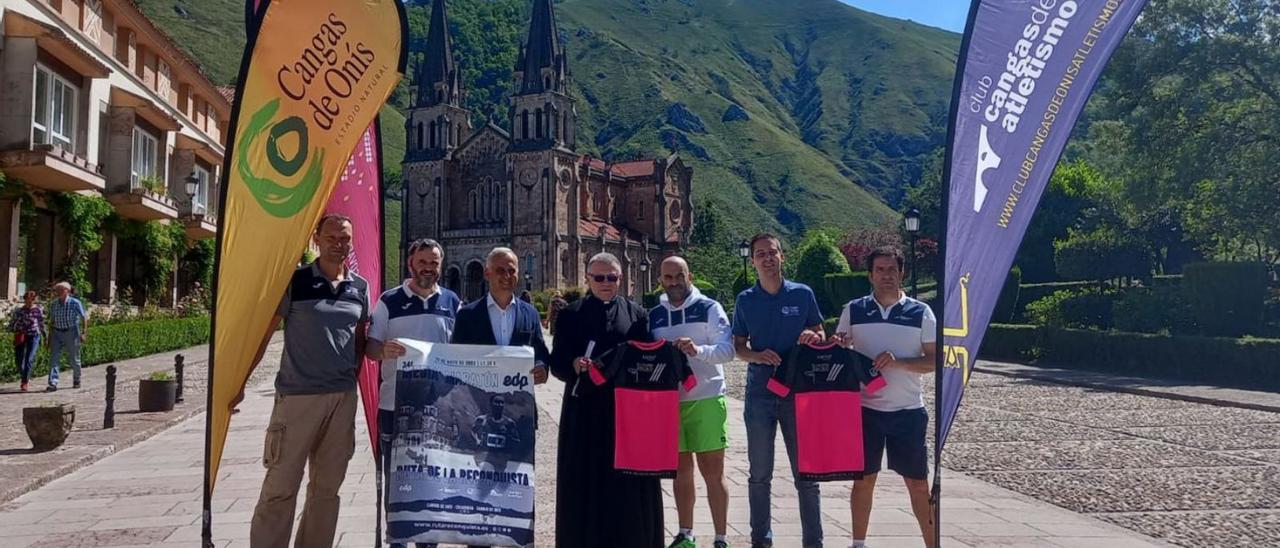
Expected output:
(462, 448)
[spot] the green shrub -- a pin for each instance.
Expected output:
(572, 294)
(829, 325)
(1226, 299)
(1217, 361)
(651, 299)
(123, 341)
(1007, 304)
(1156, 310)
(818, 257)
(1090, 307)
(1103, 254)
(844, 287)
(1009, 342)
(1029, 293)
(160, 376)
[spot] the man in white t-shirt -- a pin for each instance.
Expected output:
(899, 333)
(418, 309)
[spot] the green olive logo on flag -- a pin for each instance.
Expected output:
(276, 199)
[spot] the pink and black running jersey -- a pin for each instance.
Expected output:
(826, 381)
(646, 381)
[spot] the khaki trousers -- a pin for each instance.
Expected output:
(316, 431)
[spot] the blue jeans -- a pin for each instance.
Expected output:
(68, 342)
(25, 356)
(763, 414)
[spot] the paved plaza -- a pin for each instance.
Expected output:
(149, 494)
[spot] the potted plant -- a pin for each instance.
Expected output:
(157, 392)
(48, 425)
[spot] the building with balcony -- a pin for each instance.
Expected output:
(95, 100)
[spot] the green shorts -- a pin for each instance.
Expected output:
(704, 425)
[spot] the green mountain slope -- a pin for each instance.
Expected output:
(793, 114)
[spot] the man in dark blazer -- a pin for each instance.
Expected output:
(500, 318)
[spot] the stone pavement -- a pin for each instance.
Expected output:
(149, 495)
(22, 469)
(1191, 473)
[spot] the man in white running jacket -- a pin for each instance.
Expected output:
(700, 328)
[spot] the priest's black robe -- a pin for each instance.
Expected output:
(597, 506)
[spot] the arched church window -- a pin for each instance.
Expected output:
(433, 134)
(524, 124)
(475, 210)
(546, 82)
(538, 116)
(419, 135)
(499, 204)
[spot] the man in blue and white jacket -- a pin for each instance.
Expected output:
(700, 328)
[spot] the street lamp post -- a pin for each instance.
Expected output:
(644, 274)
(912, 223)
(744, 251)
(192, 187)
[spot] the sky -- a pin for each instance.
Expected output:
(946, 14)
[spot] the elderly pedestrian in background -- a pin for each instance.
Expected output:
(67, 330)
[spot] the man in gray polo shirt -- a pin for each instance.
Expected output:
(326, 312)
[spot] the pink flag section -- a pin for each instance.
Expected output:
(359, 196)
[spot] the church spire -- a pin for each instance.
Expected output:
(542, 65)
(439, 81)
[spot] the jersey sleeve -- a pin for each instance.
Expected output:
(928, 327)
(378, 324)
(686, 377)
(606, 365)
(871, 380)
(780, 382)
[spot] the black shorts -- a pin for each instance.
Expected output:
(901, 434)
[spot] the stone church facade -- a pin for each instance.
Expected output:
(526, 187)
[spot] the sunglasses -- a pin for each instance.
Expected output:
(602, 278)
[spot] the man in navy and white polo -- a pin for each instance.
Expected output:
(418, 309)
(899, 333)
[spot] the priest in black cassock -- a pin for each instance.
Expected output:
(595, 505)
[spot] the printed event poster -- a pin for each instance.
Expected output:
(463, 446)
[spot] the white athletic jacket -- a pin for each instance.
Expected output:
(704, 321)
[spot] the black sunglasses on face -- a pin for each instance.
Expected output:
(601, 278)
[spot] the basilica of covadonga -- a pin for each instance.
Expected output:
(525, 187)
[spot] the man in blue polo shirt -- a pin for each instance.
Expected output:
(900, 334)
(768, 320)
(418, 309)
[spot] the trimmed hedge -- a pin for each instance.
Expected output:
(1030, 293)
(1218, 361)
(1226, 299)
(844, 287)
(111, 343)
